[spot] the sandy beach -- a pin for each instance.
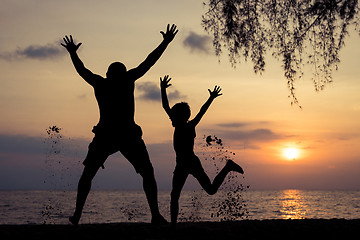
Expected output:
(246, 229)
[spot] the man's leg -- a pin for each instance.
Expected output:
(84, 187)
(151, 192)
(136, 153)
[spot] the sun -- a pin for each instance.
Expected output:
(291, 153)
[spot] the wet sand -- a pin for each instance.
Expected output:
(246, 229)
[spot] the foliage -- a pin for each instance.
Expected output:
(297, 32)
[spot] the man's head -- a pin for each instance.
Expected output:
(116, 70)
(180, 113)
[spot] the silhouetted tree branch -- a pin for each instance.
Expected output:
(297, 32)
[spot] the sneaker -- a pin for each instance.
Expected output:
(234, 166)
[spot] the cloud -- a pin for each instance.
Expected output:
(257, 135)
(198, 43)
(31, 163)
(44, 52)
(242, 124)
(151, 91)
(82, 96)
(254, 131)
(26, 145)
(232, 124)
(175, 95)
(240, 134)
(40, 162)
(21, 144)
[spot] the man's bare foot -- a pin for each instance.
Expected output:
(234, 166)
(158, 220)
(74, 220)
(173, 227)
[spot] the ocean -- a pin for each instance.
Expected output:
(234, 201)
(113, 206)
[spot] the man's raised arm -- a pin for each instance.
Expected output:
(71, 47)
(151, 59)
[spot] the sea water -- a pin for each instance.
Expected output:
(234, 201)
(112, 206)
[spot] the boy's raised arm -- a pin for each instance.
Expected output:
(164, 83)
(213, 94)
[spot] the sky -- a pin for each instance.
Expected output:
(254, 117)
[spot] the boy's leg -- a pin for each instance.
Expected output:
(219, 179)
(212, 188)
(178, 182)
(234, 166)
(197, 170)
(205, 182)
(84, 187)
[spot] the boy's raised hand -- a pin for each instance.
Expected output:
(164, 83)
(216, 92)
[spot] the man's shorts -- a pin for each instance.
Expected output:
(128, 142)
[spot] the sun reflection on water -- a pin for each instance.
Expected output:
(292, 205)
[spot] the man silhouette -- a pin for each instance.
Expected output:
(117, 130)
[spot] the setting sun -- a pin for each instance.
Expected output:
(291, 153)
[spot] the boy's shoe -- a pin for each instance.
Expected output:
(234, 166)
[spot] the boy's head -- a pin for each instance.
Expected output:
(180, 113)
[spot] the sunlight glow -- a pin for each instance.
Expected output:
(291, 153)
(293, 206)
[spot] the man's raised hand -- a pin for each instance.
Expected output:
(170, 33)
(70, 46)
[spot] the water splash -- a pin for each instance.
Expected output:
(61, 159)
(58, 168)
(232, 206)
(130, 213)
(229, 203)
(196, 206)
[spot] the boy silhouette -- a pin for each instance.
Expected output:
(117, 130)
(186, 160)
